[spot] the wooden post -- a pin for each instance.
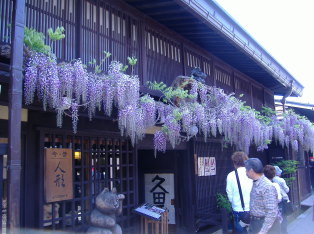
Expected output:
(15, 106)
(156, 226)
(78, 29)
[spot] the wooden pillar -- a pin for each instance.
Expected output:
(142, 52)
(78, 29)
(15, 106)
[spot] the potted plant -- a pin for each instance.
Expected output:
(289, 168)
(226, 210)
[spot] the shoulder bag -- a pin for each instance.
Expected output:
(245, 217)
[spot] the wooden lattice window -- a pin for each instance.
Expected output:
(46, 14)
(98, 162)
(243, 90)
(258, 97)
(269, 99)
(163, 57)
(6, 8)
(223, 79)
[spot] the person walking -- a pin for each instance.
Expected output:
(240, 206)
(284, 189)
(270, 173)
(263, 200)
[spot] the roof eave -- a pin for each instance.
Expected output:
(215, 17)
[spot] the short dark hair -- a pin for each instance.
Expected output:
(255, 164)
(270, 171)
(238, 158)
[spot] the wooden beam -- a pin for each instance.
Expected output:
(15, 106)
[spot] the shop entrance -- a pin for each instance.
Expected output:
(158, 181)
(99, 161)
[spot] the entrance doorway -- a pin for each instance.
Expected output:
(158, 181)
(99, 161)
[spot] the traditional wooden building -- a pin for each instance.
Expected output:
(169, 38)
(302, 186)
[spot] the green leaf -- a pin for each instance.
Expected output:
(177, 114)
(35, 41)
(107, 54)
(288, 166)
(223, 202)
(57, 34)
(97, 69)
(132, 60)
(123, 68)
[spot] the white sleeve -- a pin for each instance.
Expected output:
(284, 185)
(229, 189)
(279, 196)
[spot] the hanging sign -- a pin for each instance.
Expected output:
(58, 174)
(206, 166)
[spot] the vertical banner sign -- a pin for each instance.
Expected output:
(58, 174)
(159, 190)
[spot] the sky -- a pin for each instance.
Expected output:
(285, 29)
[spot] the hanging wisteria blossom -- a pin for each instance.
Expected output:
(181, 112)
(160, 141)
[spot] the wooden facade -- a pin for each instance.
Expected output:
(302, 185)
(100, 159)
(105, 158)
(96, 26)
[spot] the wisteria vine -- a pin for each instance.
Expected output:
(181, 113)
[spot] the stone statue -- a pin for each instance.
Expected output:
(103, 217)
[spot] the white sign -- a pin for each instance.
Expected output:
(206, 166)
(159, 191)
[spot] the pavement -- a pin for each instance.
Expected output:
(304, 223)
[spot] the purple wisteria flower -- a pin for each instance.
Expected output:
(160, 141)
(65, 87)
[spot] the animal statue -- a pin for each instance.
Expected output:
(103, 217)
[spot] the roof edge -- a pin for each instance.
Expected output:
(295, 104)
(218, 18)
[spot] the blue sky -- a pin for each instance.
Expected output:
(285, 29)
